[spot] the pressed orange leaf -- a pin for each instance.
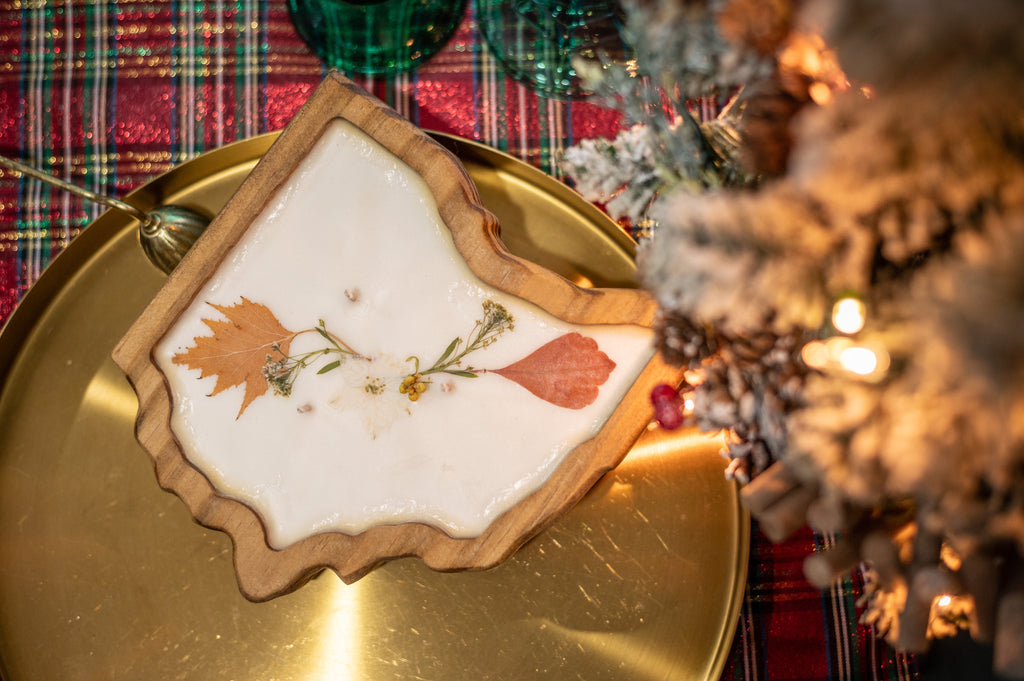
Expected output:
(566, 371)
(237, 351)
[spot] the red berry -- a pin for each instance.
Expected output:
(668, 415)
(667, 406)
(664, 393)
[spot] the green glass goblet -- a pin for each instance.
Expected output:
(537, 41)
(375, 37)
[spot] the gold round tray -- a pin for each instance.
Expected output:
(104, 575)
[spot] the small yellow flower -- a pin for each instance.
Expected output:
(413, 386)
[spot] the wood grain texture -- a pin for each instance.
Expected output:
(264, 572)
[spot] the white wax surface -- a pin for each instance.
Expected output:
(332, 457)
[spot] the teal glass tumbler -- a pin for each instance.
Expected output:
(375, 37)
(537, 41)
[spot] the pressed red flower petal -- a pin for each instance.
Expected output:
(567, 371)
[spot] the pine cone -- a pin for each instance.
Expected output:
(749, 386)
(684, 341)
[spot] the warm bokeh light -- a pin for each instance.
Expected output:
(815, 355)
(820, 93)
(807, 55)
(868, 360)
(859, 360)
(848, 315)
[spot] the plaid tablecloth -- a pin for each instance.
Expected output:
(110, 94)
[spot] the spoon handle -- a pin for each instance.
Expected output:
(139, 215)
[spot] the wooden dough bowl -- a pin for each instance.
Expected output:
(264, 572)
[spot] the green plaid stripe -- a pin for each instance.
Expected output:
(34, 225)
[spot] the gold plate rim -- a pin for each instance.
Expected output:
(77, 255)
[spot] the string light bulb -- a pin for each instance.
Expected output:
(863, 358)
(849, 315)
(807, 54)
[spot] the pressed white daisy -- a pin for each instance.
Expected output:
(371, 387)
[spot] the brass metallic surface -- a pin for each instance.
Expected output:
(104, 576)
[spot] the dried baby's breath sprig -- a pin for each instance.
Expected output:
(282, 370)
(495, 321)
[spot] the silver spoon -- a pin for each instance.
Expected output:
(166, 232)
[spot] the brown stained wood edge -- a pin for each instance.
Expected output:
(263, 572)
